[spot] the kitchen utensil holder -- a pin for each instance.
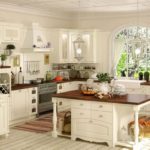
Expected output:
(32, 67)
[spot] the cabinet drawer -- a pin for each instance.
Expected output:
(63, 105)
(80, 113)
(102, 116)
(102, 107)
(81, 105)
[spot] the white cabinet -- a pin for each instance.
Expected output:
(4, 113)
(64, 104)
(11, 34)
(92, 121)
(62, 41)
(4, 100)
(19, 104)
(23, 104)
(68, 86)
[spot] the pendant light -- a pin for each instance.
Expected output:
(79, 43)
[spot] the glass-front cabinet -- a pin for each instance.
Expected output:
(64, 46)
(68, 39)
(5, 90)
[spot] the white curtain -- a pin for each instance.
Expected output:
(118, 48)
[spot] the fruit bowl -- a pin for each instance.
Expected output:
(89, 93)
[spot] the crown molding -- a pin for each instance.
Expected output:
(33, 11)
(110, 15)
(69, 15)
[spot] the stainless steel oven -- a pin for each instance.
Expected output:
(45, 91)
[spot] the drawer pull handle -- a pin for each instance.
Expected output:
(100, 116)
(100, 106)
(33, 101)
(81, 113)
(60, 87)
(33, 91)
(60, 103)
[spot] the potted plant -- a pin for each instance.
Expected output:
(9, 49)
(140, 75)
(146, 76)
(104, 77)
(3, 58)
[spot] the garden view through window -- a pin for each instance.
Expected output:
(132, 48)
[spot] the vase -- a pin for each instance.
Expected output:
(104, 87)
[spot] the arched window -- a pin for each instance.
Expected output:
(132, 51)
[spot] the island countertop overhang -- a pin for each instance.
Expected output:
(132, 99)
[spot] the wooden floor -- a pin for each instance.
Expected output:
(24, 140)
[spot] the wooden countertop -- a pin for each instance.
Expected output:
(4, 67)
(133, 99)
(146, 83)
(22, 86)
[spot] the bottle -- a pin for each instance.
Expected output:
(48, 76)
(20, 76)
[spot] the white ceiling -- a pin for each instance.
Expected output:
(82, 5)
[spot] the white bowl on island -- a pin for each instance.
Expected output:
(130, 83)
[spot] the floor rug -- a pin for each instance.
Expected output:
(40, 125)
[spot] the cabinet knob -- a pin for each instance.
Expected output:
(60, 103)
(33, 100)
(81, 113)
(60, 87)
(90, 121)
(81, 104)
(33, 91)
(100, 116)
(100, 106)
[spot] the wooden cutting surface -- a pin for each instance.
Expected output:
(134, 99)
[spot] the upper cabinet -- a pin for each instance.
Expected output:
(11, 34)
(60, 42)
(63, 42)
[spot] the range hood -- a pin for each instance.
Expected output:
(35, 40)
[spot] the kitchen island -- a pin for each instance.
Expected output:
(102, 120)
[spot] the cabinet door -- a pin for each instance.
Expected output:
(63, 104)
(19, 104)
(97, 130)
(3, 118)
(11, 34)
(64, 47)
